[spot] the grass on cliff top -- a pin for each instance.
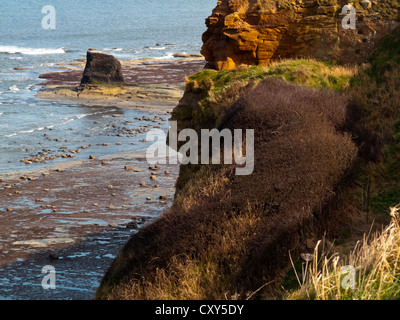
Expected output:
(310, 73)
(219, 89)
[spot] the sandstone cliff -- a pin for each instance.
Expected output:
(258, 31)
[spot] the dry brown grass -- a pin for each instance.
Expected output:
(376, 260)
(201, 184)
(186, 277)
(380, 101)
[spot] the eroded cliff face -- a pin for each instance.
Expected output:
(258, 31)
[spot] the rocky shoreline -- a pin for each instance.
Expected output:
(150, 84)
(51, 214)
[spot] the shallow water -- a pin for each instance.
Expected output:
(62, 128)
(78, 271)
(128, 29)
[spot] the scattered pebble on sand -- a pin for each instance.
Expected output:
(53, 255)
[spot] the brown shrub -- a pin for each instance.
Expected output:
(229, 238)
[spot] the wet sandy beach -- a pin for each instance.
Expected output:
(81, 215)
(55, 208)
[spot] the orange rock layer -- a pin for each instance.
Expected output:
(258, 31)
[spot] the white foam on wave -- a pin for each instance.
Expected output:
(80, 116)
(168, 56)
(157, 48)
(29, 131)
(14, 88)
(67, 121)
(19, 132)
(113, 49)
(30, 51)
(10, 135)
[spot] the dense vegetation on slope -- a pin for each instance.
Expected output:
(375, 190)
(319, 172)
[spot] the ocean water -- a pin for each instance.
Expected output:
(128, 29)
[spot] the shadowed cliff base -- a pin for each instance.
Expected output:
(227, 236)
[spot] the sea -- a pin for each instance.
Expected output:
(40, 36)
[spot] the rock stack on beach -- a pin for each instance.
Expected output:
(101, 68)
(146, 84)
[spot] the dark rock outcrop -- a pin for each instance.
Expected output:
(101, 68)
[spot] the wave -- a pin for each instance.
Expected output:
(30, 51)
(80, 116)
(157, 48)
(36, 129)
(66, 120)
(167, 56)
(14, 88)
(19, 132)
(114, 49)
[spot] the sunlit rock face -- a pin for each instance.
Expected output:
(259, 31)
